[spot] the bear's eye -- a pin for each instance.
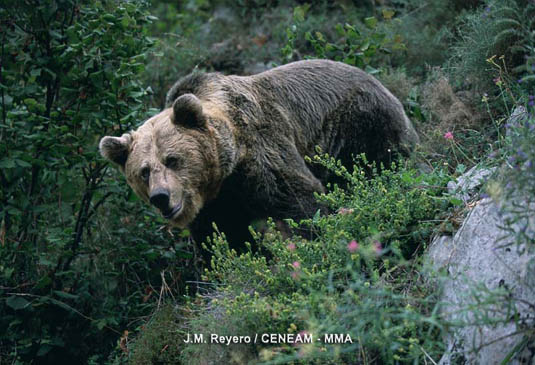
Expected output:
(145, 174)
(171, 162)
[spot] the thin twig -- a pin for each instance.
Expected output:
(427, 355)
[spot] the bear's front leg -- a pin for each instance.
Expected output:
(292, 194)
(296, 199)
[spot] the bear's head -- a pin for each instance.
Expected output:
(173, 161)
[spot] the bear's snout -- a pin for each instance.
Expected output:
(159, 197)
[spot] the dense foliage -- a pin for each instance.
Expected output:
(347, 280)
(72, 274)
(90, 275)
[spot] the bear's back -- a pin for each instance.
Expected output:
(308, 103)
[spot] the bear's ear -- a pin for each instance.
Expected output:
(187, 112)
(116, 149)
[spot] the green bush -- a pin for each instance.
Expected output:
(427, 28)
(359, 45)
(179, 47)
(514, 154)
(354, 278)
(499, 31)
(77, 252)
(231, 37)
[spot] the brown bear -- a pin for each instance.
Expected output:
(230, 149)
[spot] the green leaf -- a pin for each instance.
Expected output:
(508, 22)
(300, 12)
(55, 34)
(371, 70)
(528, 78)
(43, 350)
(317, 216)
(17, 302)
(7, 164)
(23, 163)
(62, 294)
(388, 14)
(30, 102)
(108, 17)
(370, 22)
(125, 22)
(339, 30)
(101, 323)
(460, 168)
(35, 72)
(14, 323)
(45, 262)
(8, 99)
(406, 177)
(8, 272)
(50, 72)
(43, 282)
(133, 198)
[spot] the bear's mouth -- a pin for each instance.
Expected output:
(169, 214)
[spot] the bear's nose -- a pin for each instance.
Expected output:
(159, 197)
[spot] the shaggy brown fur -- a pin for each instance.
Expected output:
(231, 149)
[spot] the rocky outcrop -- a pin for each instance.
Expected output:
(468, 184)
(488, 281)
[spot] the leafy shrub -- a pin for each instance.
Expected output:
(230, 37)
(399, 83)
(427, 28)
(452, 127)
(78, 253)
(515, 156)
(180, 45)
(158, 344)
(498, 29)
(353, 277)
(360, 45)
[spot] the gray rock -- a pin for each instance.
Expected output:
(488, 279)
(519, 116)
(467, 185)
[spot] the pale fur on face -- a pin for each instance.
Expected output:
(157, 141)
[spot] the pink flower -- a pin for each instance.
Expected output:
(295, 275)
(296, 264)
(291, 246)
(377, 247)
(345, 211)
(352, 246)
(448, 135)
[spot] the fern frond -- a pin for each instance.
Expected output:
(520, 69)
(509, 23)
(508, 10)
(529, 12)
(528, 78)
(518, 49)
(504, 35)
